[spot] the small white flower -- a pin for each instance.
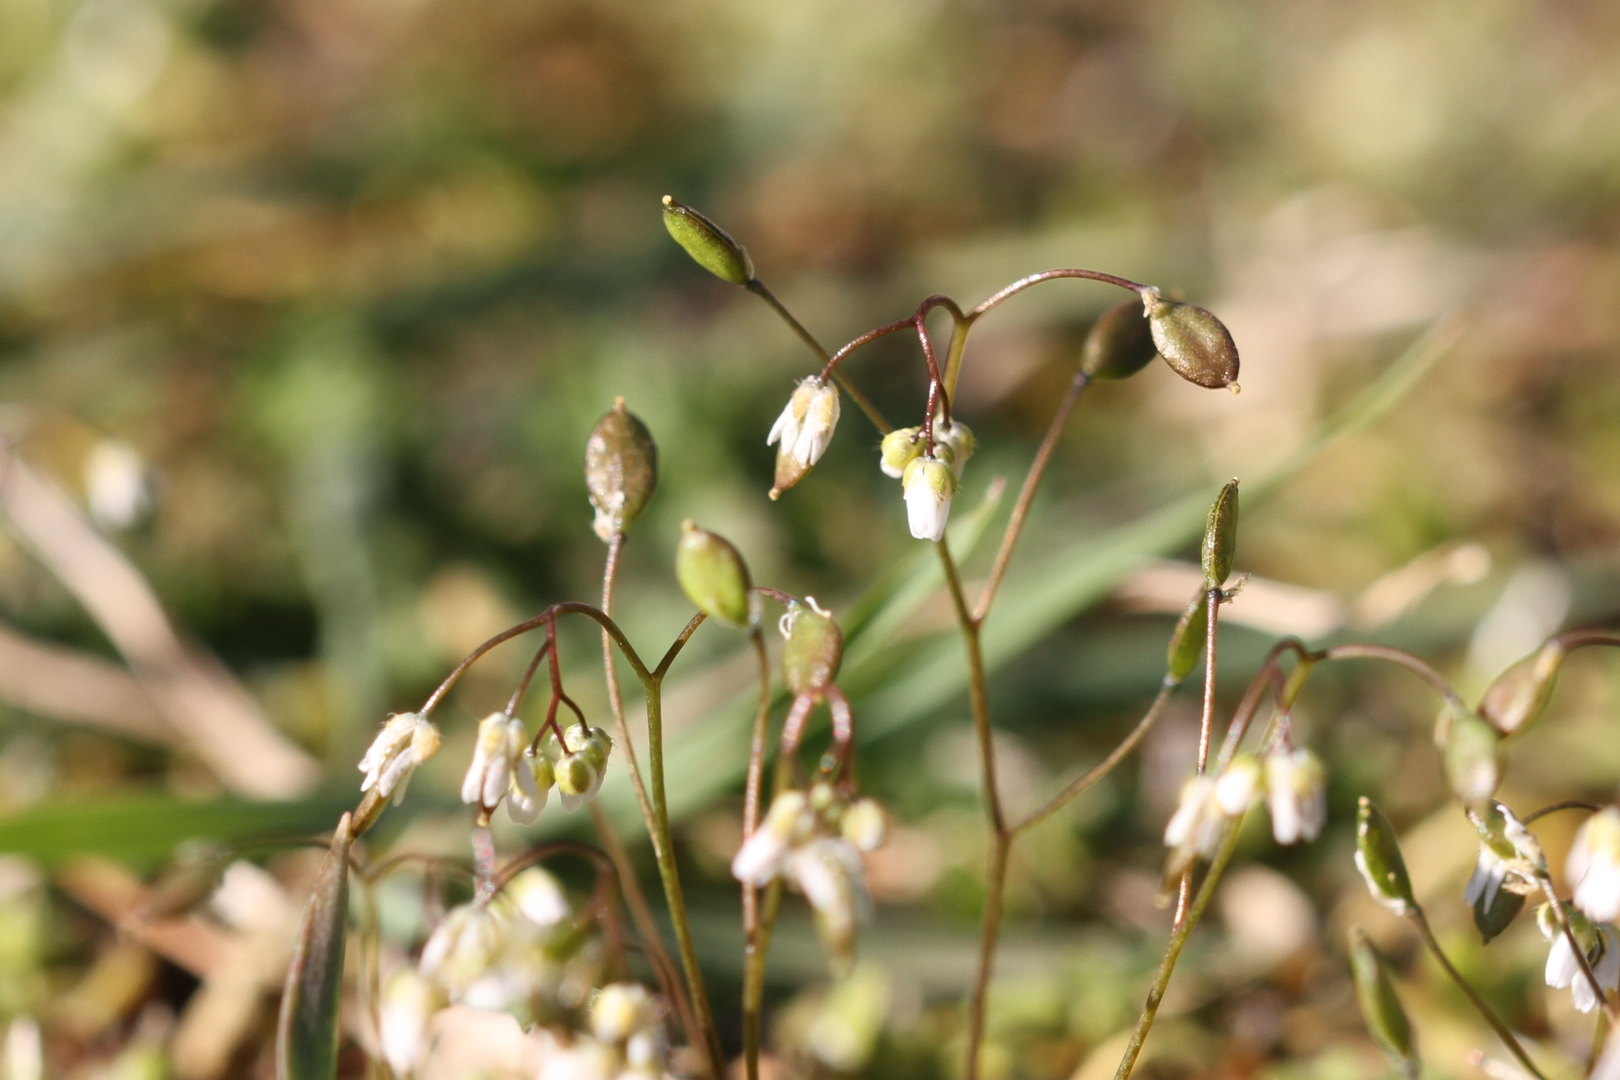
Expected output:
(408, 1003)
(1594, 866)
(1564, 969)
(929, 485)
(761, 856)
(1207, 805)
(958, 438)
(900, 448)
(116, 485)
(500, 743)
(803, 430)
(620, 1010)
(1294, 783)
(832, 877)
(1489, 873)
(405, 741)
(462, 948)
(532, 780)
(538, 897)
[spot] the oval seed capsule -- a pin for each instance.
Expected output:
(1220, 537)
(710, 246)
(1380, 1007)
(713, 575)
(1192, 341)
(1119, 344)
(621, 470)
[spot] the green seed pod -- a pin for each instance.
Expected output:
(1380, 1007)
(812, 648)
(713, 575)
(621, 470)
(707, 243)
(1220, 537)
(1192, 341)
(1473, 760)
(1187, 642)
(197, 869)
(1490, 919)
(1519, 695)
(1378, 857)
(1119, 344)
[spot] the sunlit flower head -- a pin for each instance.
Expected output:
(803, 430)
(501, 739)
(405, 741)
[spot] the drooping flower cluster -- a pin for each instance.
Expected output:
(928, 481)
(1291, 781)
(803, 430)
(405, 742)
(505, 766)
(814, 840)
(1601, 943)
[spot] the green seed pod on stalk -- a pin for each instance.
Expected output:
(1119, 344)
(710, 246)
(713, 575)
(812, 647)
(1380, 1007)
(1473, 753)
(1220, 537)
(1378, 857)
(1192, 341)
(1187, 642)
(621, 470)
(1519, 695)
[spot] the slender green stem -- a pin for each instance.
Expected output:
(1052, 275)
(759, 289)
(1172, 951)
(750, 892)
(664, 850)
(1106, 765)
(1401, 658)
(960, 326)
(1484, 1010)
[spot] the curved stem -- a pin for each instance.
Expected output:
(752, 955)
(1403, 659)
(1026, 494)
(1251, 697)
(1051, 275)
(678, 644)
(1486, 1013)
(1567, 804)
(759, 289)
(1106, 765)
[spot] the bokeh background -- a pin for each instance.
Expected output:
(307, 307)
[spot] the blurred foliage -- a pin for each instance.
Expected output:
(354, 279)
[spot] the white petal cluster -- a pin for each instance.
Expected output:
(1207, 806)
(1594, 866)
(533, 776)
(929, 485)
(405, 741)
(814, 842)
(804, 429)
(1490, 872)
(1602, 945)
(1295, 795)
(500, 743)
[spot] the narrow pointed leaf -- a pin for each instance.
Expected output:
(307, 1034)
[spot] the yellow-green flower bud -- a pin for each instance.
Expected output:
(1473, 760)
(1378, 857)
(576, 776)
(1380, 1007)
(621, 470)
(1192, 341)
(708, 244)
(1187, 642)
(713, 575)
(865, 825)
(812, 647)
(956, 439)
(1220, 537)
(900, 448)
(1119, 344)
(929, 484)
(1519, 695)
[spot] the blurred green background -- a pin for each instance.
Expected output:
(310, 304)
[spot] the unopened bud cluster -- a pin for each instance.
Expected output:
(506, 767)
(814, 840)
(405, 742)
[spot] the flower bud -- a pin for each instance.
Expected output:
(929, 485)
(1192, 341)
(713, 575)
(1220, 537)
(1119, 344)
(803, 431)
(865, 825)
(1519, 695)
(956, 438)
(1493, 908)
(1473, 755)
(405, 741)
(1294, 794)
(787, 822)
(1187, 642)
(501, 740)
(537, 896)
(1593, 867)
(620, 1009)
(900, 448)
(532, 779)
(708, 244)
(577, 780)
(464, 945)
(1380, 1007)
(1378, 857)
(621, 470)
(811, 649)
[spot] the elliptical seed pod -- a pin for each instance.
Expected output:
(1119, 344)
(1187, 642)
(621, 470)
(1519, 695)
(1380, 1007)
(1473, 755)
(1378, 857)
(1220, 537)
(812, 648)
(710, 246)
(1192, 341)
(713, 575)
